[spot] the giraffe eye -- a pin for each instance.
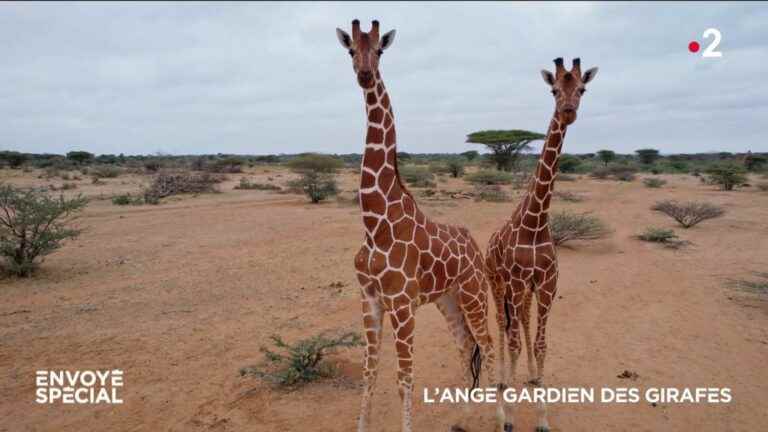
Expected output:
(555, 92)
(581, 91)
(351, 52)
(380, 52)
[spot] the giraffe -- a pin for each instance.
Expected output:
(521, 259)
(407, 260)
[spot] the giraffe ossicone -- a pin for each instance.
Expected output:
(406, 259)
(521, 260)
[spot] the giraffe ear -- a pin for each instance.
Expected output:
(589, 75)
(344, 38)
(387, 39)
(548, 77)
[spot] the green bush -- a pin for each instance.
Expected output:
(647, 156)
(315, 162)
(246, 184)
(617, 172)
(758, 287)
(317, 175)
(455, 168)
(690, 213)
(417, 176)
(489, 177)
(301, 362)
(568, 163)
(657, 235)
(122, 199)
(666, 237)
(229, 165)
(14, 159)
(606, 156)
(566, 226)
(34, 224)
(727, 175)
(127, 199)
(316, 185)
(654, 183)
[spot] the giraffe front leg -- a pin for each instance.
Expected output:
(403, 326)
(544, 297)
(372, 319)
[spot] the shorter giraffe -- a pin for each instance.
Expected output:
(406, 259)
(521, 259)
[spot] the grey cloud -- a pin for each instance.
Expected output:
(272, 78)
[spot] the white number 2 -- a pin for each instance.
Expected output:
(710, 50)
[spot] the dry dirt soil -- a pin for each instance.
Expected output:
(182, 295)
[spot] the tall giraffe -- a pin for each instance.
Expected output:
(406, 259)
(521, 259)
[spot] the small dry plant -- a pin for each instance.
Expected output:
(690, 213)
(566, 226)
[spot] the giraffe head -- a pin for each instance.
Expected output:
(567, 88)
(366, 50)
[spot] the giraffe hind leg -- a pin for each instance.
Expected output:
(473, 302)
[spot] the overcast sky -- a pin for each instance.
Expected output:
(259, 78)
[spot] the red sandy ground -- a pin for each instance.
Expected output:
(182, 295)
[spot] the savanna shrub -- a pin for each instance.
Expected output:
(302, 362)
(654, 183)
(417, 176)
(657, 235)
(689, 213)
(34, 224)
(316, 185)
(566, 226)
(491, 193)
(247, 184)
(727, 175)
(489, 177)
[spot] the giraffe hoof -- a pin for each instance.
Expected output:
(542, 429)
(535, 382)
(456, 428)
(508, 427)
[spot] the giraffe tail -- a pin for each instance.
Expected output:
(475, 365)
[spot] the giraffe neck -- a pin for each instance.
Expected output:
(542, 185)
(379, 166)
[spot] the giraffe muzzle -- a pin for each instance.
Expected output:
(568, 115)
(365, 79)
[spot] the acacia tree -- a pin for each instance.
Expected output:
(317, 175)
(647, 156)
(505, 145)
(80, 157)
(606, 156)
